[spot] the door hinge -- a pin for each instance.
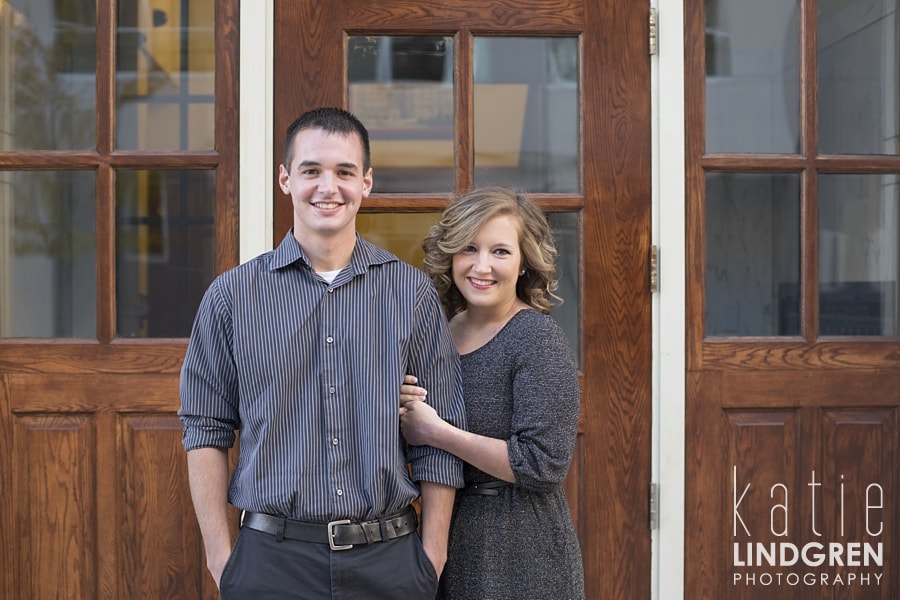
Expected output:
(654, 506)
(654, 269)
(653, 32)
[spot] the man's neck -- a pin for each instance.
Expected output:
(327, 252)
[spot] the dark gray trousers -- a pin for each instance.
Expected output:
(261, 568)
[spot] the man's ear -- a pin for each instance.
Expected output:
(367, 183)
(283, 177)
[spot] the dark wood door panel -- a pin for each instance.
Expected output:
(776, 466)
(98, 505)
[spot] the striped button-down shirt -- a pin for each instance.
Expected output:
(309, 373)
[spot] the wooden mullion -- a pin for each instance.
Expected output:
(464, 127)
(106, 74)
(106, 254)
(809, 144)
(105, 179)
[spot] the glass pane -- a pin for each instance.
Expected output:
(165, 75)
(526, 113)
(48, 260)
(47, 83)
(164, 250)
(752, 76)
(858, 104)
(752, 254)
(859, 229)
(566, 229)
(402, 234)
(401, 88)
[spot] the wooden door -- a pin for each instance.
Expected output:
(607, 196)
(793, 383)
(117, 206)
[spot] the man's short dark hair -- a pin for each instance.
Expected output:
(331, 120)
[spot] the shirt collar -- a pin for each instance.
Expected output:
(365, 254)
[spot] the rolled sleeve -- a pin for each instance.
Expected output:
(208, 385)
(435, 362)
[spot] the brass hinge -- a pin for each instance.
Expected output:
(653, 31)
(654, 269)
(654, 506)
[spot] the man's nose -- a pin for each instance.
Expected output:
(326, 183)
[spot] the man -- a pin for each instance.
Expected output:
(302, 350)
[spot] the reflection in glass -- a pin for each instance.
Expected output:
(752, 254)
(164, 250)
(48, 261)
(47, 80)
(857, 61)
(402, 234)
(402, 89)
(165, 75)
(752, 76)
(859, 229)
(526, 113)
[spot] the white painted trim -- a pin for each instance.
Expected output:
(667, 76)
(257, 179)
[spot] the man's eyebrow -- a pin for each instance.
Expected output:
(313, 163)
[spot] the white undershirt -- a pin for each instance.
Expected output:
(328, 275)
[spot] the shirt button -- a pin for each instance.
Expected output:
(334, 442)
(331, 390)
(340, 492)
(329, 339)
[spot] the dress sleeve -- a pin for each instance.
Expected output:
(546, 404)
(433, 359)
(208, 385)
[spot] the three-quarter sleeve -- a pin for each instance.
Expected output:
(546, 404)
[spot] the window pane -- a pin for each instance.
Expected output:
(858, 104)
(859, 229)
(752, 76)
(402, 89)
(752, 254)
(165, 75)
(526, 113)
(402, 234)
(48, 261)
(164, 250)
(566, 229)
(47, 82)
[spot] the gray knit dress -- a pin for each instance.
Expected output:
(521, 387)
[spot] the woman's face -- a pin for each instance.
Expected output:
(486, 271)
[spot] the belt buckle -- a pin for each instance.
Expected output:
(331, 526)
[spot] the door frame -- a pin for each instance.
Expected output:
(258, 173)
(669, 304)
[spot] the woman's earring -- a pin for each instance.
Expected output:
(522, 272)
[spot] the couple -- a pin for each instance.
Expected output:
(302, 349)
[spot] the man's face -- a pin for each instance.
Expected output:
(326, 183)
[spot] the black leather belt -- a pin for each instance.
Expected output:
(486, 488)
(340, 535)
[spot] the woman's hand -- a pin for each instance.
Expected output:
(410, 392)
(418, 421)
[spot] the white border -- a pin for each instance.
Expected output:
(257, 178)
(667, 74)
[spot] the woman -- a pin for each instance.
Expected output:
(491, 258)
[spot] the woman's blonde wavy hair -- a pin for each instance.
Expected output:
(460, 222)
